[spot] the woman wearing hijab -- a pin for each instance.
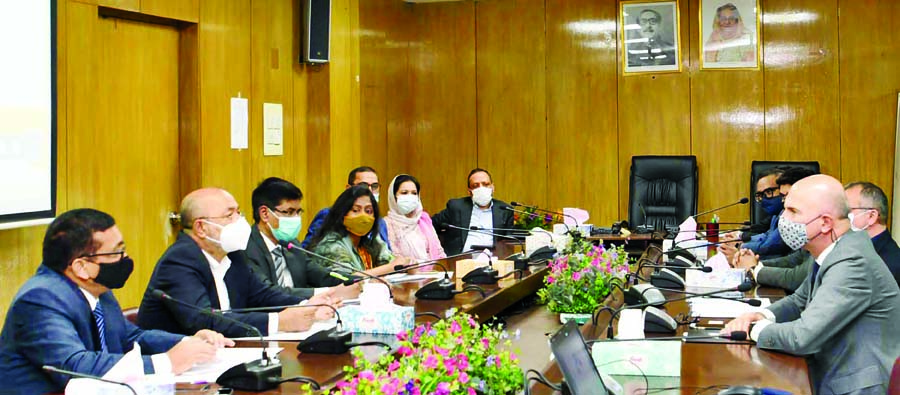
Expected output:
(730, 40)
(410, 231)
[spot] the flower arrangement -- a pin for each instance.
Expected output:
(534, 219)
(453, 356)
(581, 277)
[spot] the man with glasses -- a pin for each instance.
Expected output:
(650, 48)
(363, 175)
(207, 267)
(66, 317)
(769, 245)
(868, 212)
(276, 210)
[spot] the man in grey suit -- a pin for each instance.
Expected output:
(844, 318)
(868, 212)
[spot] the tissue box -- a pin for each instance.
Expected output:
(391, 321)
(464, 266)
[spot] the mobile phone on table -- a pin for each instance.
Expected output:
(225, 391)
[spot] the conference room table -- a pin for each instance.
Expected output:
(702, 365)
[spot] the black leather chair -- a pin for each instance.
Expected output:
(662, 190)
(758, 166)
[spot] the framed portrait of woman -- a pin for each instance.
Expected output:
(729, 32)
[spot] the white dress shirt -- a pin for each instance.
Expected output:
(161, 362)
(770, 316)
(484, 219)
(218, 272)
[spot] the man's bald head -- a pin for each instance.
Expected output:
(819, 194)
(205, 203)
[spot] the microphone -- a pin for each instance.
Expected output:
(743, 200)
(736, 336)
(536, 208)
(743, 287)
(261, 375)
(451, 226)
(704, 269)
(745, 223)
(519, 232)
(328, 341)
(342, 265)
(52, 369)
(686, 256)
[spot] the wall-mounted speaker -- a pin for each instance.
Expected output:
(316, 31)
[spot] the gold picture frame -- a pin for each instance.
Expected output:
(726, 41)
(650, 36)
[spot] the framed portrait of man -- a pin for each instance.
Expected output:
(650, 36)
(729, 32)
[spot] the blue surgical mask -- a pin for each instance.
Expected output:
(772, 205)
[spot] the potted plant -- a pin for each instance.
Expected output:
(453, 356)
(533, 219)
(581, 277)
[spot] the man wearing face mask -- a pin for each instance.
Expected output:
(207, 267)
(65, 315)
(276, 210)
(868, 210)
(363, 175)
(769, 244)
(844, 318)
(479, 209)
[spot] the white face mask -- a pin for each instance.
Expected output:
(407, 203)
(853, 226)
(482, 196)
(234, 236)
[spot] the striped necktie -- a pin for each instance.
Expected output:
(101, 325)
(281, 272)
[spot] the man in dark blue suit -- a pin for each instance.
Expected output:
(207, 268)
(66, 317)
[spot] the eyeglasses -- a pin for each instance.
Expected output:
(121, 254)
(732, 19)
(374, 187)
(768, 192)
(233, 214)
(648, 21)
(288, 213)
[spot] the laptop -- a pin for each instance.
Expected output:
(575, 361)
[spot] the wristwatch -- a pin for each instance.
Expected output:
(750, 274)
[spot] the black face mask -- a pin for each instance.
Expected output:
(114, 275)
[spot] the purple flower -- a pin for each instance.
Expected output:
(442, 351)
(454, 327)
(405, 351)
(393, 366)
(367, 375)
(402, 336)
(432, 332)
(490, 360)
(471, 391)
(550, 279)
(463, 377)
(532, 216)
(462, 361)
(472, 322)
(548, 218)
(485, 342)
(576, 276)
(443, 389)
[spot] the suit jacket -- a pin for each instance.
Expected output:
(50, 323)
(306, 275)
(183, 272)
(844, 320)
(790, 271)
(459, 213)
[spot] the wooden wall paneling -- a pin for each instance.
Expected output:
(62, 71)
(189, 138)
(344, 136)
(384, 73)
(182, 10)
(727, 130)
(582, 118)
(801, 82)
(511, 97)
(318, 142)
(224, 73)
(132, 122)
(655, 113)
(128, 5)
(442, 146)
(299, 101)
(869, 83)
(272, 82)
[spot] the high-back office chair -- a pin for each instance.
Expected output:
(758, 166)
(662, 190)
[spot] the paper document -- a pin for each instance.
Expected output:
(273, 130)
(403, 277)
(240, 123)
(687, 230)
(722, 308)
(655, 358)
(295, 336)
(717, 279)
(224, 360)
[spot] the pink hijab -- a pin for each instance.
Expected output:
(400, 226)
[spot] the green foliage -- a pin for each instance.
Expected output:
(581, 278)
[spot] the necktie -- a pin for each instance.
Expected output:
(281, 268)
(101, 327)
(815, 271)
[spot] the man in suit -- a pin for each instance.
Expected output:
(868, 212)
(478, 209)
(65, 315)
(207, 268)
(845, 316)
(276, 210)
(363, 175)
